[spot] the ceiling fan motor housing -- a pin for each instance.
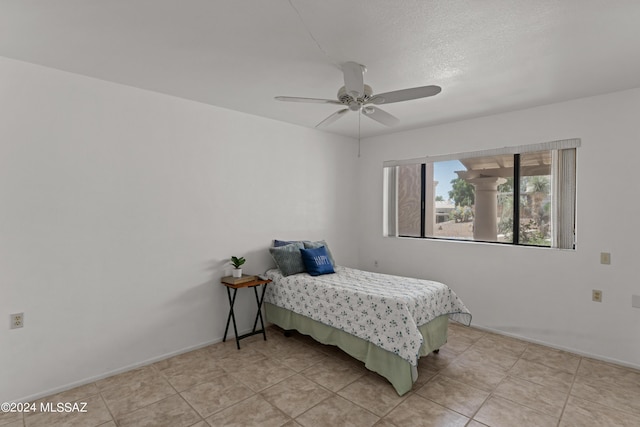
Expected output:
(354, 103)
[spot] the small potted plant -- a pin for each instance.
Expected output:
(237, 264)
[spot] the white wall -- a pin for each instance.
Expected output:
(119, 208)
(538, 294)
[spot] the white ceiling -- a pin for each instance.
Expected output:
(489, 56)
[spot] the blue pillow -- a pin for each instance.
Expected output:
(319, 243)
(316, 261)
(288, 258)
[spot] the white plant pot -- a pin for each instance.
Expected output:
(237, 272)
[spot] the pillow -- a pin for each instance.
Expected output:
(314, 245)
(288, 258)
(317, 261)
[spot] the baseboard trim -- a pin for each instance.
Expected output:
(559, 347)
(149, 361)
(121, 370)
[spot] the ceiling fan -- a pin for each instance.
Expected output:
(357, 96)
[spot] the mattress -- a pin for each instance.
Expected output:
(381, 309)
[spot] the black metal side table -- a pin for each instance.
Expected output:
(232, 300)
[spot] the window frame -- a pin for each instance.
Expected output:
(563, 190)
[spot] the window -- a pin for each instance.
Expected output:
(516, 195)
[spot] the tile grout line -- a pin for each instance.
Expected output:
(159, 372)
(508, 375)
(255, 393)
(494, 388)
(307, 410)
(333, 393)
(490, 393)
(566, 401)
(439, 373)
(470, 418)
(113, 418)
(244, 400)
(627, 412)
(542, 385)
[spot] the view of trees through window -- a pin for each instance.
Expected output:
(473, 199)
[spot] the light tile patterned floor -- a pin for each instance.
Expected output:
(478, 379)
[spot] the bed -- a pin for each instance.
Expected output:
(387, 322)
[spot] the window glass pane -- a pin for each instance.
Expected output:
(487, 174)
(478, 200)
(409, 199)
(454, 199)
(535, 198)
(505, 211)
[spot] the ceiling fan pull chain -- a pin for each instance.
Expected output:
(359, 118)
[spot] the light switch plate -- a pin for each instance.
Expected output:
(605, 258)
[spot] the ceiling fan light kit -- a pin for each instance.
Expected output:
(357, 96)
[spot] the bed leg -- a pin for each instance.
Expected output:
(436, 351)
(288, 333)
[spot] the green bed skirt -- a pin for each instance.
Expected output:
(398, 371)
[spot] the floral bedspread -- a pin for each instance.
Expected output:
(382, 309)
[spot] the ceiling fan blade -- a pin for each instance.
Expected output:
(380, 116)
(332, 118)
(311, 100)
(405, 94)
(353, 79)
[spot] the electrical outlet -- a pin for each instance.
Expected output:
(596, 295)
(17, 320)
(605, 258)
(375, 263)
